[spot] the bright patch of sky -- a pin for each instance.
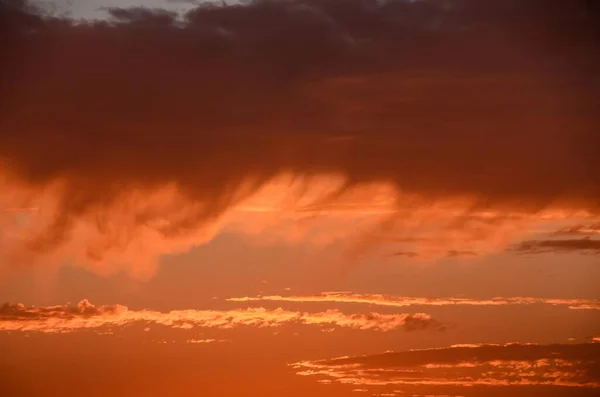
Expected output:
(96, 9)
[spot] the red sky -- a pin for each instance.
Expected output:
(303, 197)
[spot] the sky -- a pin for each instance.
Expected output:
(299, 197)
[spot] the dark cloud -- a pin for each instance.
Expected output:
(575, 365)
(496, 100)
(476, 353)
(584, 245)
(455, 253)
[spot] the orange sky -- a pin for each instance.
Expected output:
(303, 197)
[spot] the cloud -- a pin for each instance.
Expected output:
(574, 365)
(203, 341)
(62, 319)
(150, 130)
(585, 245)
(457, 254)
(84, 309)
(408, 254)
(578, 230)
(404, 301)
(450, 253)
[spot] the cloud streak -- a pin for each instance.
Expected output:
(404, 301)
(64, 319)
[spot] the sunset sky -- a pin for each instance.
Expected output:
(300, 198)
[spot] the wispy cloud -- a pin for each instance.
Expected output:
(488, 365)
(403, 301)
(59, 319)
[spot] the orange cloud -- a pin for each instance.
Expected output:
(403, 301)
(127, 155)
(202, 341)
(60, 319)
(485, 365)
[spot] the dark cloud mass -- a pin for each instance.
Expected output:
(495, 100)
(583, 245)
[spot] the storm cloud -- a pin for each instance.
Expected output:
(494, 103)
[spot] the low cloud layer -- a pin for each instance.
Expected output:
(403, 301)
(137, 136)
(574, 365)
(62, 319)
